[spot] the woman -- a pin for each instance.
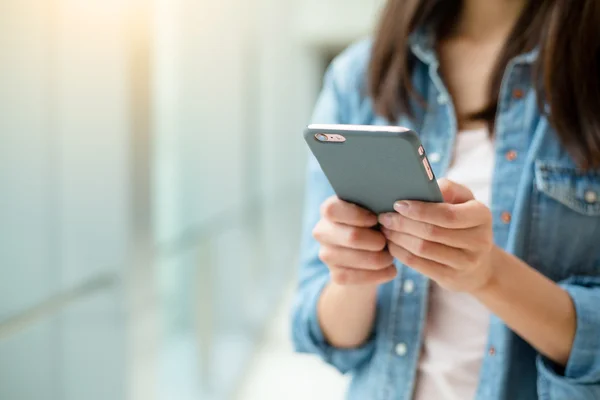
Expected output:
(494, 294)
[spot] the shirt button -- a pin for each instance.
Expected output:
(409, 286)
(518, 94)
(442, 99)
(401, 349)
(506, 217)
(511, 155)
(492, 351)
(435, 157)
(591, 196)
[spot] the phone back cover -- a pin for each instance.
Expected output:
(374, 169)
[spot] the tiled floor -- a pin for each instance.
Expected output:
(277, 373)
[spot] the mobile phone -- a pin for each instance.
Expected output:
(373, 166)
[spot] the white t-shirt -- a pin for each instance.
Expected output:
(456, 330)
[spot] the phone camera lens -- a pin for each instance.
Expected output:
(321, 137)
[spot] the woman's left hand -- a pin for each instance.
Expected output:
(450, 242)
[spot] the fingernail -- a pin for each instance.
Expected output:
(385, 220)
(401, 206)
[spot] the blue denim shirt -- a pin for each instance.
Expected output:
(555, 228)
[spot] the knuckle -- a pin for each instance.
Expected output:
(354, 214)
(372, 260)
(483, 241)
(321, 231)
(471, 257)
(325, 255)
(328, 207)
(380, 259)
(317, 233)
(450, 214)
(432, 231)
(354, 236)
(422, 246)
(341, 276)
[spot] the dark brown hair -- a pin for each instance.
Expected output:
(566, 73)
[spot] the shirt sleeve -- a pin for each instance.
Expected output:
(307, 335)
(580, 379)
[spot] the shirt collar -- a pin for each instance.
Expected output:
(422, 45)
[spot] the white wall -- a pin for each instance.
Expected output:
(65, 201)
(334, 23)
(232, 92)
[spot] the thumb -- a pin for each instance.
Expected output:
(454, 193)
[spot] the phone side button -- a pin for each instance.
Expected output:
(428, 168)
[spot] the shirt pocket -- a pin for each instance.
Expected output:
(565, 237)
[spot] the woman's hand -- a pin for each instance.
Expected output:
(450, 242)
(354, 253)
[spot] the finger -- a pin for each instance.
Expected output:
(470, 238)
(340, 211)
(350, 258)
(440, 253)
(454, 193)
(351, 276)
(436, 271)
(452, 216)
(336, 234)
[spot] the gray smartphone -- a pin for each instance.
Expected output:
(373, 166)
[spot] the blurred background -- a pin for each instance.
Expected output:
(151, 185)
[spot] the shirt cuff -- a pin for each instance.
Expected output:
(580, 379)
(308, 336)
(554, 385)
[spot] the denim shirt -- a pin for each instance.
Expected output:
(546, 211)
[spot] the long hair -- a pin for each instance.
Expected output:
(566, 74)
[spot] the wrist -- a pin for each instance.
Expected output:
(492, 272)
(360, 290)
(346, 314)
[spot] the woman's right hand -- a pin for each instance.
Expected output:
(355, 253)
